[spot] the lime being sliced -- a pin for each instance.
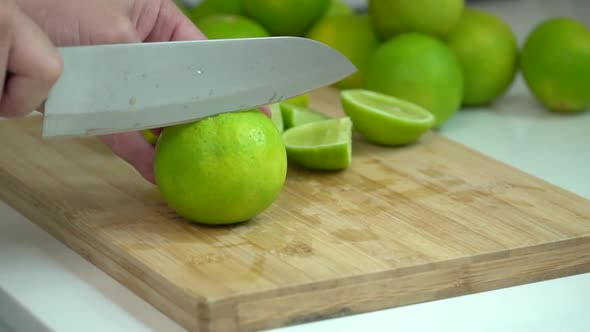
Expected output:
(277, 116)
(324, 145)
(385, 119)
(222, 169)
(294, 115)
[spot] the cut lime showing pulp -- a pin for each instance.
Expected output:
(277, 116)
(323, 145)
(294, 115)
(385, 119)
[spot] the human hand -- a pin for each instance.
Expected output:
(92, 22)
(29, 63)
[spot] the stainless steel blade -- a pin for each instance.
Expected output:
(115, 88)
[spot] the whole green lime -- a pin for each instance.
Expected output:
(488, 52)
(222, 169)
(221, 26)
(339, 7)
(421, 69)
(555, 62)
(212, 7)
(285, 17)
(433, 17)
(354, 37)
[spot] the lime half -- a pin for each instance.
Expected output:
(294, 115)
(385, 119)
(324, 145)
(277, 116)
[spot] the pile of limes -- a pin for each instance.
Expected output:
(439, 54)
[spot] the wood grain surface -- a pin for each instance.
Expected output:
(401, 225)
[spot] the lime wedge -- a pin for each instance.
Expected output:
(323, 145)
(277, 116)
(301, 100)
(294, 116)
(385, 119)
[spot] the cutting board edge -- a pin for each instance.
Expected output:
(281, 309)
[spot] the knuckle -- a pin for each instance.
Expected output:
(120, 31)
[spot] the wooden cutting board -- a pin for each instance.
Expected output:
(400, 226)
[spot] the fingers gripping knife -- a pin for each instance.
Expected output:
(115, 88)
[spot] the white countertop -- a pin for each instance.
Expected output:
(44, 286)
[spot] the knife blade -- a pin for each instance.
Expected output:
(107, 89)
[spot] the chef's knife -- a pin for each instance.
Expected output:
(115, 88)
